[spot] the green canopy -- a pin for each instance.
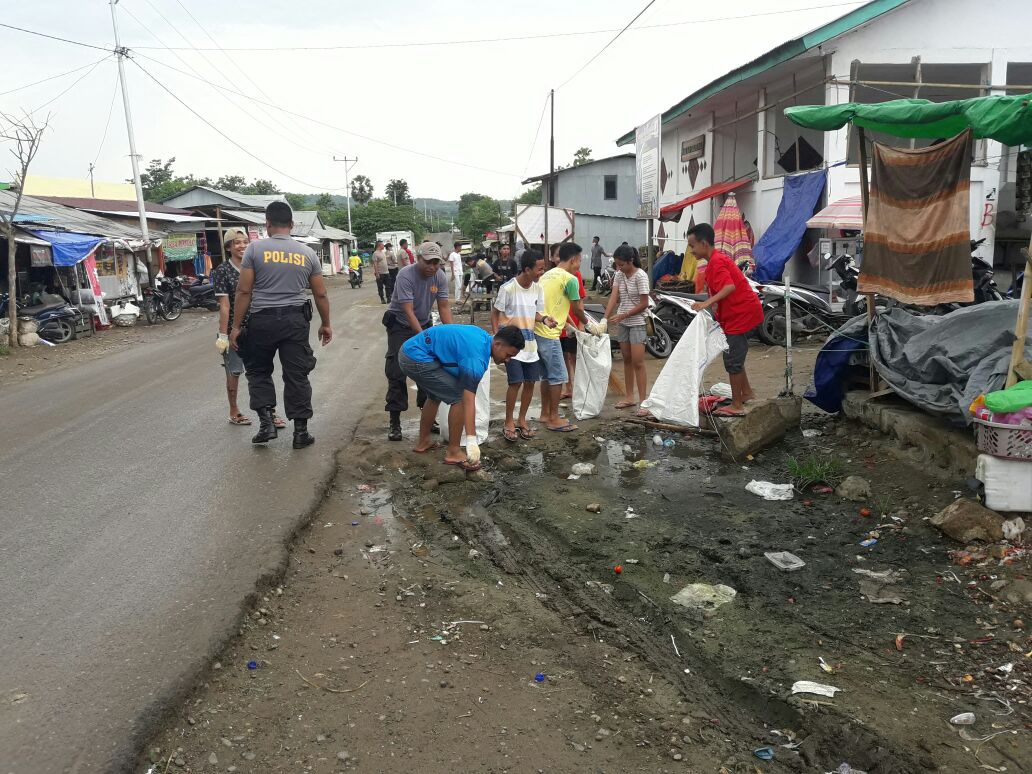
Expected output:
(1005, 119)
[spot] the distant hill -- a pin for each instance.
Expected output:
(443, 208)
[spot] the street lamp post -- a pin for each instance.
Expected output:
(348, 164)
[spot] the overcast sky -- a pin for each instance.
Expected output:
(478, 104)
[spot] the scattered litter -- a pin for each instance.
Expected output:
(784, 560)
(1006, 669)
(367, 488)
(845, 768)
(573, 477)
(869, 542)
(721, 390)
(657, 440)
(606, 588)
(630, 561)
(899, 641)
(669, 443)
(674, 643)
(825, 665)
(630, 514)
(583, 469)
(986, 696)
(354, 524)
(806, 686)
(878, 586)
(594, 508)
(764, 753)
(377, 549)
(703, 596)
(643, 464)
(252, 664)
(822, 489)
(618, 569)
(769, 491)
(963, 719)
(811, 433)
(539, 677)
(666, 577)
(1013, 528)
(882, 575)
(474, 554)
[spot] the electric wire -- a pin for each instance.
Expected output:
(518, 38)
(107, 123)
(319, 122)
(537, 133)
(77, 81)
(55, 37)
(584, 66)
(226, 137)
(50, 78)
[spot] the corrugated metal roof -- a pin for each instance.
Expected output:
(258, 218)
(111, 205)
(305, 221)
(56, 216)
(258, 201)
(334, 234)
(579, 166)
(783, 53)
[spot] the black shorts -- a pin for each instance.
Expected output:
(737, 349)
(569, 344)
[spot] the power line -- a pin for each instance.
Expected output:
(512, 38)
(226, 137)
(51, 78)
(74, 84)
(607, 45)
(55, 37)
(537, 133)
(331, 126)
(107, 123)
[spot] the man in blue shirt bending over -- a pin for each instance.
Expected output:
(447, 362)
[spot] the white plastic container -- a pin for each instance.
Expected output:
(1008, 483)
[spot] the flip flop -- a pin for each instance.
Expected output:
(526, 433)
(279, 422)
(624, 405)
(563, 429)
(725, 411)
(466, 465)
(510, 435)
(433, 447)
(239, 419)
(643, 413)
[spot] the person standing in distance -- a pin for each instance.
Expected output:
(597, 254)
(415, 292)
(392, 267)
(455, 264)
(405, 256)
(274, 275)
(384, 284)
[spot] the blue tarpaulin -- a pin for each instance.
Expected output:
(781, 239)
(68, 247)
(668, 263)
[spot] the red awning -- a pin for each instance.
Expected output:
(673, 211)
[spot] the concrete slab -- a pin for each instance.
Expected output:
(765, 423)
(927, 439)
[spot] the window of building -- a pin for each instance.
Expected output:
(788, 147)
(609, 183)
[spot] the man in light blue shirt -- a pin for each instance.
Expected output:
(447, 363)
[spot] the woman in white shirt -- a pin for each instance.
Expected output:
(630, 299)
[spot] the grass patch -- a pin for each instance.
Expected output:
(4, 351)
(816, 470)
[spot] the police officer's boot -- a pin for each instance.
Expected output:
(266, 426)
(394, 433)
(302, 437)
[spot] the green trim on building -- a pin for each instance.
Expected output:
(776, 56)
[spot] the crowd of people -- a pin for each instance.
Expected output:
(537, 312)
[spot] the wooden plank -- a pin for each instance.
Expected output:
(1021, 328)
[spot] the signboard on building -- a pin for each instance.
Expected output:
(252, 234)
(530, 224)
(694, 148)
(180, 247)
(646, 169)
(39, 255)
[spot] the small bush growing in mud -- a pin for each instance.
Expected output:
(816, 470)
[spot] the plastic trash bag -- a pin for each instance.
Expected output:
(594, 362)
(675, 395)
(483, 413)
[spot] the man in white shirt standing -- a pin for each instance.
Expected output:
(455, 264)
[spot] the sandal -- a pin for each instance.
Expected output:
(510, 435)
(466, 465)
(278, 421)
(562, 429)
(642, 413)
(526, 433)
(239, 419)
(625, 404)
(727, 411)
(432, 447)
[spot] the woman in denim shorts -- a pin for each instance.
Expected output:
(629, 300)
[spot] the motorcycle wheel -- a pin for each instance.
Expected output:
(659, 345)
(58, 331)
(772, 329)
(150, 314)
(674, 320)
(175, 308)
(90, 328)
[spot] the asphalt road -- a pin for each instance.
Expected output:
(134, 521)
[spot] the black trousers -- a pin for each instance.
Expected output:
(397, 384)
(283, 330)
(597, 271)
(381, 286)
(392, 276)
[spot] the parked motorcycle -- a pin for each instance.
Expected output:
(355, 277)
(982, 276)
(605, 281)
(849, 274)
(160, 301)
(198, 294)
(811, 312)
(658, 341)
(56, 319)
(675, 311)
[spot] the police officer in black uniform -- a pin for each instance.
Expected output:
(272, 306)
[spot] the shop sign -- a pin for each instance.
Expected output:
(39, 255)
(647, 138)
(694, 148)
(180, 247)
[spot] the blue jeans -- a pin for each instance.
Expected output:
(553, 365)
(431, 378)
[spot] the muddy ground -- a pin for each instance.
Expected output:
(437, 623)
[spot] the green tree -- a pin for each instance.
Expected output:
(297, 201)
(582, 156)
(380, 215)
(531, 196)
(160, 182)
(361, 189)
(324, 203)
(262, 187)
(231, 183)
(398, 192)
(478, 214)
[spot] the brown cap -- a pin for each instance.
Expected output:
(430, 251)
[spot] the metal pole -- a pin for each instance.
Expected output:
(549, 194)
(788, 335)
(121, 54)
(865, 197)
(348, 164)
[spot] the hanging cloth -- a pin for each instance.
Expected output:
(917, 237)
(798, 201)
(732, 235)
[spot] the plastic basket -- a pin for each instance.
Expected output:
(1010, 441)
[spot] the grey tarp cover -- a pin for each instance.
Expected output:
(941, 364)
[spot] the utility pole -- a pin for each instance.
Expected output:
(93, 192)
(549, 197)
(348, 164)
(121, 54)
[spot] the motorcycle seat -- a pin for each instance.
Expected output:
(595, 309)
(40, 308)
(689, 296)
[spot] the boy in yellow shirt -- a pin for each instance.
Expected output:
(562, 293)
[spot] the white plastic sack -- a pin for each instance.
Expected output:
(483, 414)
(769, 491)
(594, 362)
(675, 395)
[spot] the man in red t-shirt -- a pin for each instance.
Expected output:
(737, 309)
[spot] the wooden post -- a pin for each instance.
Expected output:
(222, 235)
(1021, 329)
(865, 197)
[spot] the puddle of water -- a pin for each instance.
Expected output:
(379, 502)
(536, 463)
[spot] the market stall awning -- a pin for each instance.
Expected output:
(846, 214)
(673, 211)
(69, 247)
(1007, 119)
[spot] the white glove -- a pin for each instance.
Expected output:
(597, 328)
(472, 451)
(222, 343)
